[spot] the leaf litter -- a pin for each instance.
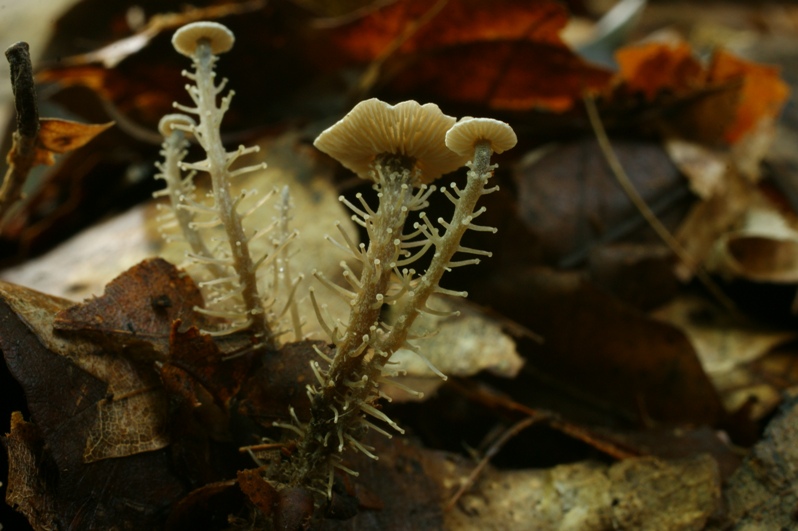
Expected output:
(139, 388)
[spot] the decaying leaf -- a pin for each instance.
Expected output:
(209, 507)
(137, 309)
(113, 54)
(570, 202)
(58, 136)
(704, 168)
(128, 418)
(461, 345)
(28, 490)
(399, 491)
(736, 353)
(653, 67)
(596, 346)
(81, 266)
(505, 55)
(203, 358)
(762, 493)
(61, 136)
(642, 493)
(258, 490)
(763, 248)
(709, 219)
(721, 341)
(763, 92)
(731, 95)
(87, 404)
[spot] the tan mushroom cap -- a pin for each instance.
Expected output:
(186, 38)
(165, 126)
(374, 127)
(468, 131)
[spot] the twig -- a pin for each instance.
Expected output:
(261, 447)
(645, 211)
(514, 430)
(23, 150)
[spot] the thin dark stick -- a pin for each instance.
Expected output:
(634, 196)
(23, 150)
(514, 430)
(18, 56)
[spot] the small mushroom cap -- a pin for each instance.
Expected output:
(468, 131)
(186, 38)
(374, 128)
(165, 126)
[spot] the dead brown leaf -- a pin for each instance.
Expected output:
(604, 352)
(61, 136)
(709, 219)
(570, 203)
(137, 309)
(88, 406)
(28, 491)
(730, 96)
(258, 490)
(504, 55)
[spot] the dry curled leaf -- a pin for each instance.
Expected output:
(730, 96)
(763, 248)
(62, 136)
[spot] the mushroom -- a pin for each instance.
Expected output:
(175, 122)
(374, 129)
(465, 134)
(187, 38)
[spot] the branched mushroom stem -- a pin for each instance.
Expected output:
(348, 390)
(480, 170)
(282, 263)
(177, 190)
(204, 94)
(345, 387)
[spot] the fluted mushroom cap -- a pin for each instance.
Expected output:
(374, 128)
(186, 38)
(169, 120)
(468, 131)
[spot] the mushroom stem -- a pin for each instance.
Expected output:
(480, 170)
(351, 379)
(348, 390)
(178, 189)
(208, 135)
